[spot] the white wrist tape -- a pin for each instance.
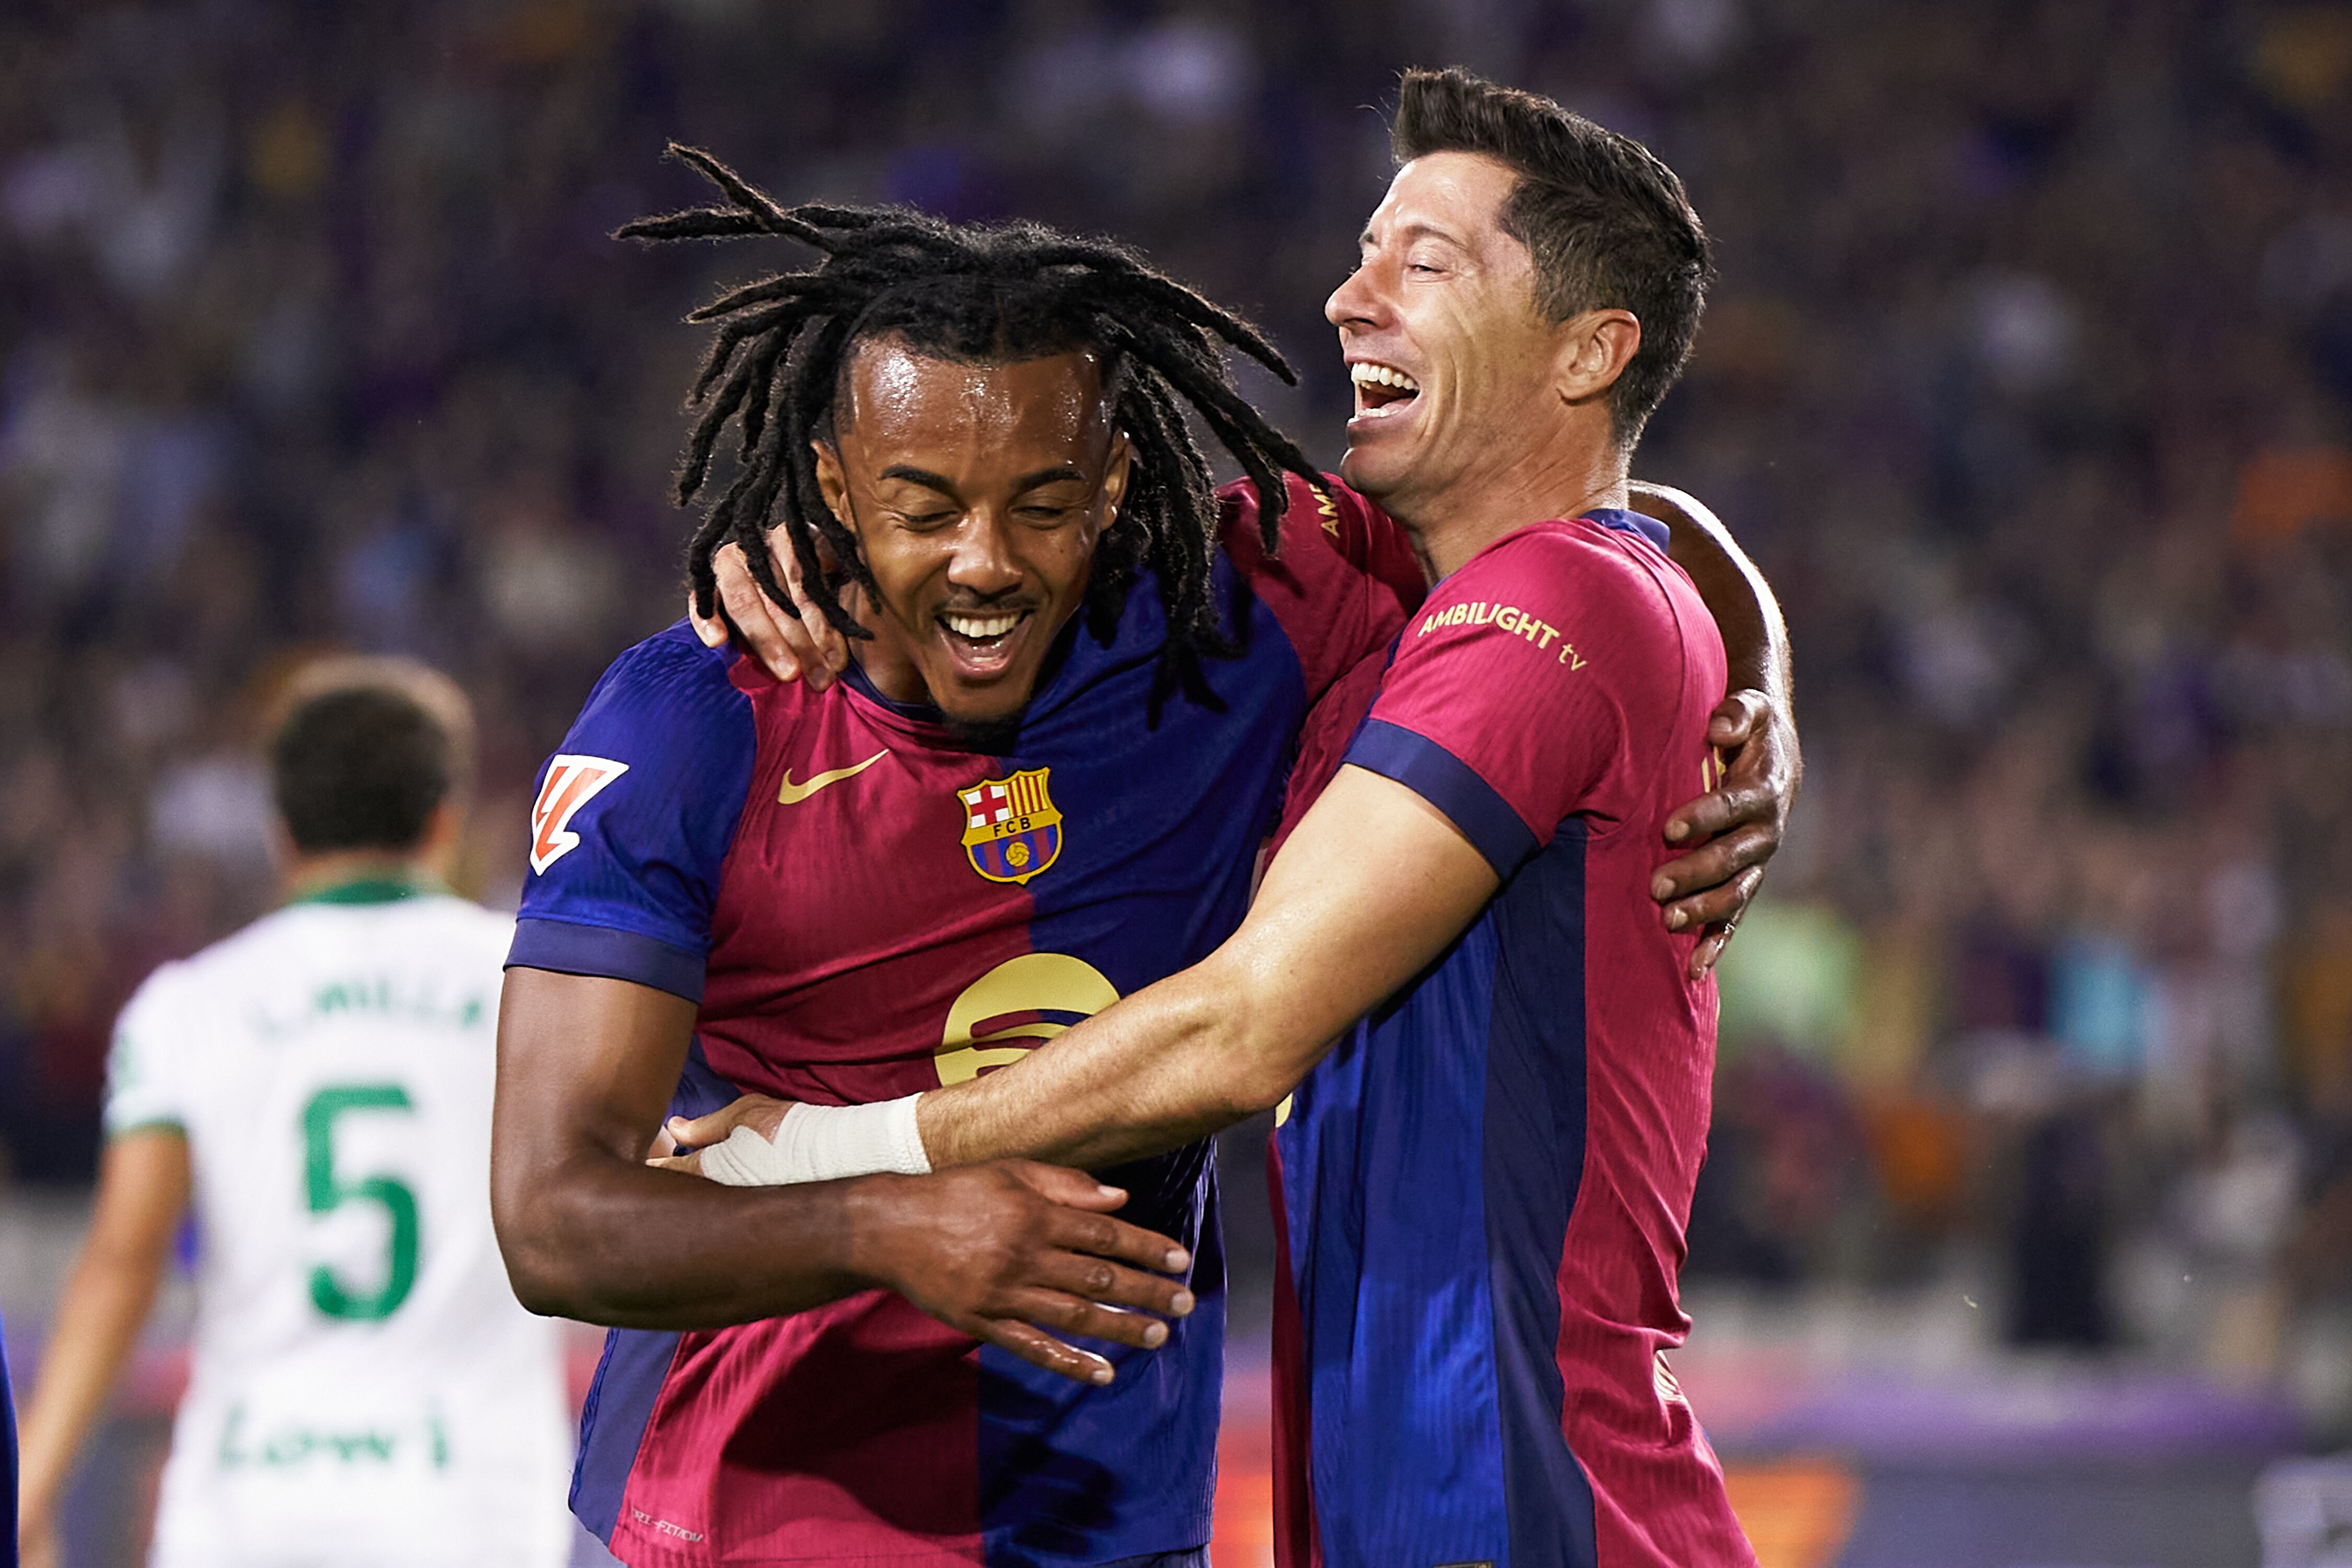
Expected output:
(822, 1143)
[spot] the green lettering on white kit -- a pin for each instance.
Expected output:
(230, 1455)
(421, 999)
(295, 1445)
(329, 1293)
(345, 1446)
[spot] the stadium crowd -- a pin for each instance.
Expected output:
(2027, 380)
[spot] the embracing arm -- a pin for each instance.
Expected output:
(585, 1066)
(1755, 727)
(1211, 1046)
(1336, 930)
(1755, 641)
(1738, 825)
(1332, 933)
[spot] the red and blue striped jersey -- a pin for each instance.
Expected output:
(864, 909)
(1482, 1191)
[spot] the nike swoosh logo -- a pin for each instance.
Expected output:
(791, 793)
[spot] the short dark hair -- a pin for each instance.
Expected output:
(365, 751)
(1604, 219)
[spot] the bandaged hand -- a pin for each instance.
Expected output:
(757, 1142)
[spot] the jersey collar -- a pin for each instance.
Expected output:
(1649, 528)
(1633, 523)
(925, 719)
(374, 889)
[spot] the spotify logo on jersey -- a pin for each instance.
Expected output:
(1017, 1007)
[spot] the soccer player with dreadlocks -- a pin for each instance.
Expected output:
(1040, 785)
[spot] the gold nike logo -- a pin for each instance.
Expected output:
(792, 792)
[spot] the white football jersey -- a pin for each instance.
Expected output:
(363, 1387)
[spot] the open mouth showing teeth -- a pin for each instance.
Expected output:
(984, 633)
(1379, 389)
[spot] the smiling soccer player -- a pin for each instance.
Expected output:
(1041, 784)
(1485, 1181)
(991, 826)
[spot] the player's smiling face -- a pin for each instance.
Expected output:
(1445, 344)
(977, 493)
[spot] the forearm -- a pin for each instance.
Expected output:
(1333, 932)
(106, 1303)
(612, 1242)
(1171, 1064)
(585, 1066)
(1755, 639)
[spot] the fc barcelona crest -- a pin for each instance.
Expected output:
(1011, 830)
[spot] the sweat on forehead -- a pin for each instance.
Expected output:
(895, 387)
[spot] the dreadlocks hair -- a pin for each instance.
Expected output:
(972, 294)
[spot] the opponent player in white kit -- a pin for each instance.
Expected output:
(363, 1387)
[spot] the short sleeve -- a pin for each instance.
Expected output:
(1516, 693)
(144, 1087)
(1343, 581)
(632, 820)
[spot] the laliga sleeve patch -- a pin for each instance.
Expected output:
(571, 782)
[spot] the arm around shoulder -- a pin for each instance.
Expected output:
(1374, 884)
(1755, 639)
(1739, 823)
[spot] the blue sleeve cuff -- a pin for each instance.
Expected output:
(1449, 784)
(567, 947)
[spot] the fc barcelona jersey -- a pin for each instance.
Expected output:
(1482, 1190)
(864, 909)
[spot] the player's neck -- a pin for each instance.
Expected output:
(308, 876)
(1552, 480)
(307, 873)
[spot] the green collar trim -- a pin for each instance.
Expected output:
(372, 890)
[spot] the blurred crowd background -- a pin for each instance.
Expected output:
(2027, 381)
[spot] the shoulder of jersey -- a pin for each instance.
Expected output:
(667, 709)
(444, 922)
(1569, 546)
(659, 698)
(1607, 575)
(1327, 506)
(249, 949)
(164, 983)
(673, 661)
(483, 936)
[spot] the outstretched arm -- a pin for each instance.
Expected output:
(1740, 822)
(1231, 1037)
(1334, 931)
(143, 1190)
(585, 1066)
(1447, 791)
